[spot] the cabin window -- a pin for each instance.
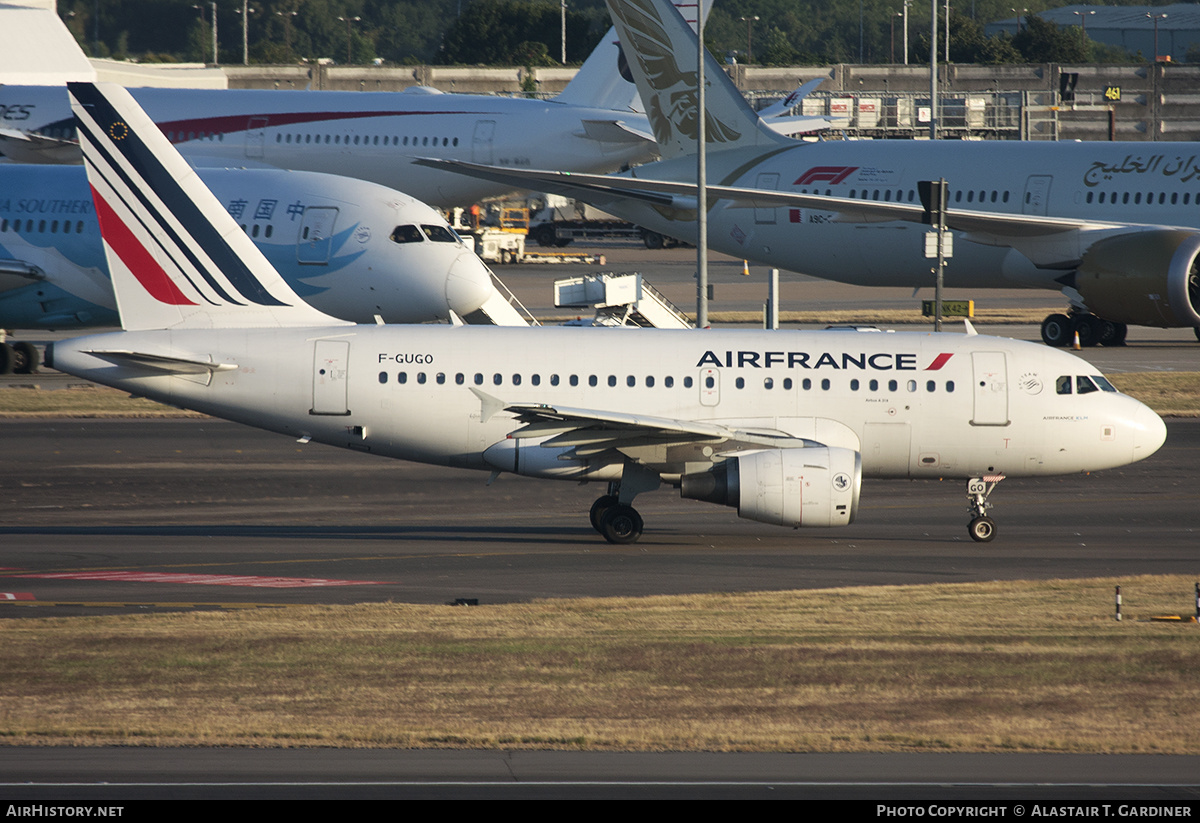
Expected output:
(710, 382)
(740, 383)
(669, 382)
(478, 379)
(873, 385)
(893, 385)
(593, 381)
(787, 383)
(516, 379)
(949, 385)
(631, 381)
(807, 384)
(270, 229)
(402, 378)
(825, 384)
(1089, 196)
(768, 383)
(1084, 386)
(459, 379)
(854, 384)
(421, 378)
(441, 378)
(1005, 198)
(612, 381)
(535, 379)
(497, 379)
(930, 386)
(649, 382)
(574, 381)
(382, 377)
(912, 385)
(554, 380)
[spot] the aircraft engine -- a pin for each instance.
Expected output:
(1144, 279)
(527, 456)
(785, 487)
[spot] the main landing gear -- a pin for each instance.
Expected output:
(1059, 330)
(981, 528)
(619, 523)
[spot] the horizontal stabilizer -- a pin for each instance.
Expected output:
(161, 363)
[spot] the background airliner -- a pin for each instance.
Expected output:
(352, 248)
(781, 425)
(1114, 226)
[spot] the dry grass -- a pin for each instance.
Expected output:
(984, 667)
(1174, 394)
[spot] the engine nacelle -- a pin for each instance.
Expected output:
(527, 456)
(786, 487)
(1149, 278)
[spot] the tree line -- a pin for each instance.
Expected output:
(527, 32)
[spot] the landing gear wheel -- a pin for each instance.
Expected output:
(1112, 334)
(1056, 330)
(8, 358)
(26, 358)
(621, 524)
(1087, 326)
(599, 508)
(982, 529)
(653, 239)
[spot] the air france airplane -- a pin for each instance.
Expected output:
(780, 425)
(1114, 226)
(353, 249)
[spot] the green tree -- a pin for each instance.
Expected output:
(497, 32)
(1041, 41)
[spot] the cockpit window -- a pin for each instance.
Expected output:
(1103, 383)
(407, 234)
(1084, 385)
(439, 234)
(1063, 384)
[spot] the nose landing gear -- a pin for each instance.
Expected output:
(981, 528)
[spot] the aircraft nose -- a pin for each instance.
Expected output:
(468, 284)
(1149, 433)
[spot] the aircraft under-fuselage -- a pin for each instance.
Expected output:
(1114, 226)
(780, 425)
(353, 249)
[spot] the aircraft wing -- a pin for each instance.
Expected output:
(17, 273)
(26, 147)
(591, 432)
(615, 131)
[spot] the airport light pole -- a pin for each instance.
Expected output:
(288, 17)
(245, 12)
(892, 35)
(1083, 16)
(563, 7)
(1018, 12)
(933, 70)
(906, 5)
(1156, 18)
(348, 21)
(216, 59)
(749, 21)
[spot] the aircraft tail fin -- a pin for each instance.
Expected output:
(176, 256)
(604, 81)
(661, 49)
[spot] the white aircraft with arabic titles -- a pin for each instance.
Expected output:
(1114, 226)
(780, 425)
(352, 249)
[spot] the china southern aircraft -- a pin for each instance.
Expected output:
(780, 425)
(1114, 226)
(351, 248)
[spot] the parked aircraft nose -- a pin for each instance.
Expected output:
(468, 284)
(1149, 432)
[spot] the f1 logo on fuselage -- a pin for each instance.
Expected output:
(825, 174)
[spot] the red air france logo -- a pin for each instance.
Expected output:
(825, 174)
(938, 362)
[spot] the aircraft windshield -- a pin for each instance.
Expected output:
(407, 234)
(439, 234)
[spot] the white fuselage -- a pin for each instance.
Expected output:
(1153, 184)
(331, 239)
(915, 405)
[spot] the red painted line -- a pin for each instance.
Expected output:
(205, 579)
(17, 596)
(135, 256)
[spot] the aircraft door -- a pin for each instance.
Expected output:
(991, 388)
(710, 387)
(316, 235)
(331, 363)
(481, 141)
(255, 137)
(769, 181)
(1037, 194)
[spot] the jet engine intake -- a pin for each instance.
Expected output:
(785, 487)
(1148, 278)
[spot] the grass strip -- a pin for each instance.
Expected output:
(1003, 666)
